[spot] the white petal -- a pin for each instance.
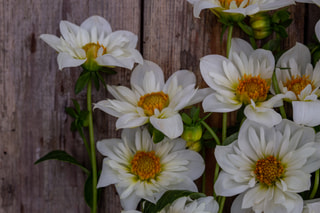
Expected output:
(237, 205)
(52, 40)
(195, 165)
(102, 25)
(107, 176)
(171, 127)
(317, 28)
(226, 186)
(239, 45)
(299, 53)
(200, 5)
(262, 115)
(306, 113)
(212, 104)
(66, 60)
(131, 120)
(138, 74)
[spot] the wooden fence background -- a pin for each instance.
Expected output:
(34, 94)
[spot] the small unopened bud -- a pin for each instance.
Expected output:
(261, 25)
(194, 145)
(192, 134)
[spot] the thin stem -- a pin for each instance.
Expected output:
(229, 39)
(316, 185)
(253, 43)
(221, 204)
(213, 134)
(93, 151)
(224, 126)
(277, 91)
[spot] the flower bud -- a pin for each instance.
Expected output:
(261, 25)
(194, 145)
(192, 134)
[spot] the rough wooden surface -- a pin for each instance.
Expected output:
(33, 93)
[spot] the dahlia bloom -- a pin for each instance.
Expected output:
(243, 7)
(94, 45)
(140, 168)
(152, 100)
(268, 167)
(300, 82)
(242, 79)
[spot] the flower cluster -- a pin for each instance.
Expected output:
(271, 163)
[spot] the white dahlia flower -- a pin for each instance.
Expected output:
(94, 45)
(152, 100)
(140, 168)
(268, 167)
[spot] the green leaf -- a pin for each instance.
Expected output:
(246, 28)
(108, 70)
(157, 136)
(70, 111)
(102, 80)
(195, 111)
(82, 81)
(186, 119)
(96, 81)
(76, 106)
(169, 197)
(88, 194)
(61, 156)
(230, 139)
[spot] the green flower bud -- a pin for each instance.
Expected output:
(194, 145)
(192, 133)
(261, 25)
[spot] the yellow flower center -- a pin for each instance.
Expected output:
(254, 88)
(92, 49)
(145, 165)
(268, 170)
(297, 84)
(151, 101)
(226, 3)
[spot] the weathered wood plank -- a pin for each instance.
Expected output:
(33, 97)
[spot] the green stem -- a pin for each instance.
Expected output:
(253, 43)
(229, 39)
(216, 174)
(93, 151)
(316, 185)
(277, 91)
(213, 134)
(221, 204)
(224, 126)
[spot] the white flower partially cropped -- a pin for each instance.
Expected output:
(93, 44)
(311, 206)
(152, 100)
(186, 205)
(244, 7)
(268, 167)
(300, 83)
(243, 79)
(140, 168)
(317, 2)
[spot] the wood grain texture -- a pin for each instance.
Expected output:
(34, 93)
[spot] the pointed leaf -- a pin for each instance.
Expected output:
(70, 111)
(61, 156)
(186, 119)
(82, 81)
(230, 139)
(76, 105)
